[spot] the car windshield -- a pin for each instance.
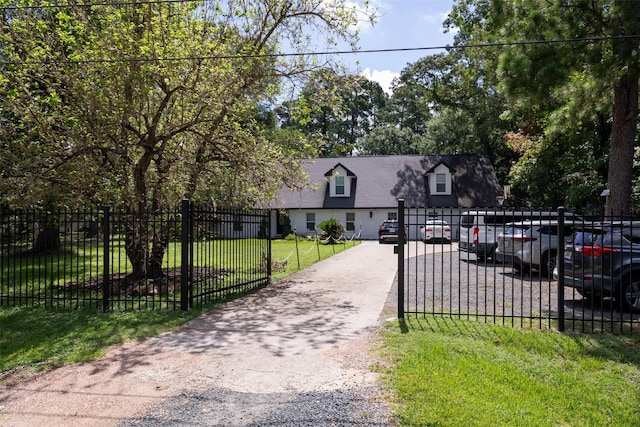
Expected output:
(436, 222)
(515, 231)
(466, 221)
(585, 238)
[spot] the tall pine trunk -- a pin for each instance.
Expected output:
(625, 111)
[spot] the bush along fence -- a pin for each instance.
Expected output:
(120, 260)
(537, 268)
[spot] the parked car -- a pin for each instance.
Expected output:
(388, 231)
(603, 260)
(479, 230)
(531, 245)
(435, 230)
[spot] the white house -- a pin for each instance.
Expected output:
(362, 192)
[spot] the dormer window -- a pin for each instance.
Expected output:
(439, 179)
(340, 181)
(339, 185)
(441, 183)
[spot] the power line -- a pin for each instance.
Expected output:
(82, 5)
(325, 53)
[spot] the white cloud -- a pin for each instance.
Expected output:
(439, 18)
(436, 18)
(362, 15)
(383, 77)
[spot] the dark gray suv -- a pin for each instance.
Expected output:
(603, 260)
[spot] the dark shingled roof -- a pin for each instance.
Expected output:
(381, 180)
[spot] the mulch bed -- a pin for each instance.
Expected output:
(125, 284)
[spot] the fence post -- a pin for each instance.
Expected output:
(295, 237)
(185, 245)
(560, 266)
(269, 255)
(317, 242)
(106, 257)
(401, 238)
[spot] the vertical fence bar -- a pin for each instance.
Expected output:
(269, 255)
(194, 218)
(184, 266)
(106, 268)
(401, 238)
(560, 266)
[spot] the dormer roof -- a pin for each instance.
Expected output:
(433, 169)
(336, 166)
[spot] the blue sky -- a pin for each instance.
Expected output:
(401, 24)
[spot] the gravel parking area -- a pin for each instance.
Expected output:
(440, 279)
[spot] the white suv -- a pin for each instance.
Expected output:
(435, 229)
(531, 245)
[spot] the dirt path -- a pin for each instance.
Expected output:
(309, 333)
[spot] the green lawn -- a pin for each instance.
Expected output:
(305, 254)
(84, 261)
(446, 372)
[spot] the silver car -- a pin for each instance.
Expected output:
(531, 245)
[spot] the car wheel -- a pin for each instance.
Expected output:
(586, 297)
(492, 254)
(629, 295)
(548, 264)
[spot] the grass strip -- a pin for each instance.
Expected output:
(446, 372)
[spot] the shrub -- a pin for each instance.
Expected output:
(286, 226)
(331, 228)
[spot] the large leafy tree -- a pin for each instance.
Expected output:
(143, 104)
(410, 105)
(569, 70)
(336, 110)
(401, 121)
(450, 103)
(391, 140)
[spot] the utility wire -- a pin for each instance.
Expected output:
(115, 3)
(325, 53)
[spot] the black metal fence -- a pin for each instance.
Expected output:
(123, 260)
(538, 274)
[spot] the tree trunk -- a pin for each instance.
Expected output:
(623, 133)
(625, 118)
(48, 239)
(146, 246)
(136, 246)
(160, 243)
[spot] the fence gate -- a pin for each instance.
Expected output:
(436, 277)
(115, 259)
